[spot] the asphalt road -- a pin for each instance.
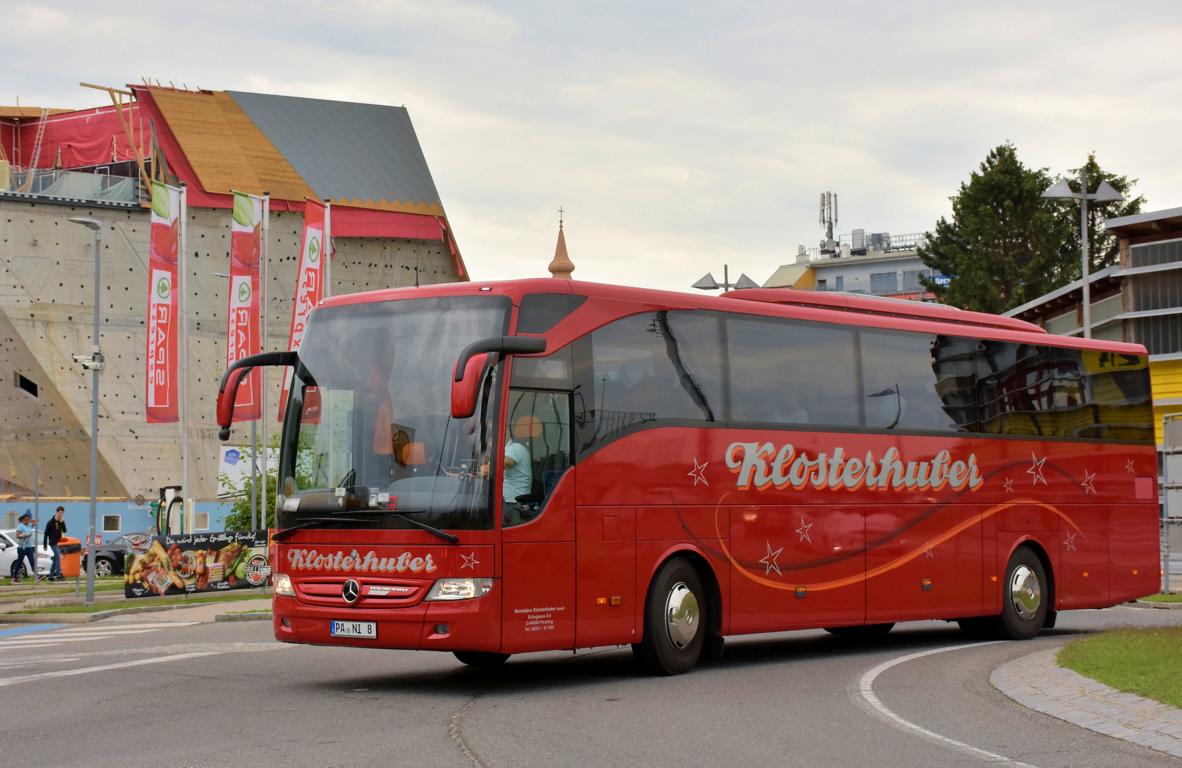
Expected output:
(141, 690)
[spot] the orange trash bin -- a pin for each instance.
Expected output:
(71, 550)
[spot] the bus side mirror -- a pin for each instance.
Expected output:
(465, 390)
(465, 385)
(228, 391)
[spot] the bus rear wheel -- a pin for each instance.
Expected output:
(482, 658)
(1024, 596)
(674, 621)
(861, 630)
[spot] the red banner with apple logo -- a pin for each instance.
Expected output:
(244, 322)
(163, 381)
(309, 291)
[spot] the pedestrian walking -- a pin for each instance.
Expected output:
(54, 530)
(26, 547)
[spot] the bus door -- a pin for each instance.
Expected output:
(538, 522)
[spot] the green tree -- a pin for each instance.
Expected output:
(1005, 244)
(1104, 247)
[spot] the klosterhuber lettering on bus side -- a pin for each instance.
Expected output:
(762, 465)
(370, 562)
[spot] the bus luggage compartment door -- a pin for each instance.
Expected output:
(607, 602)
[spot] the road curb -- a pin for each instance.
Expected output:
(1036, 681)
(260, 616)
(1156, 606)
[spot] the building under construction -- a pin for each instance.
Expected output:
(388, 225)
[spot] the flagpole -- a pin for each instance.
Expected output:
(263, 416)
(327, 248)
(183, 285)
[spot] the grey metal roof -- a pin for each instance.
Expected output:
(1074, 285)
(1142, 218)
(345, 150)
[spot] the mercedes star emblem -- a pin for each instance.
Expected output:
(351, 590)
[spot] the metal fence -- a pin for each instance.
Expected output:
(72, 185)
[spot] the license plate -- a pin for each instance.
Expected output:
(367, 630)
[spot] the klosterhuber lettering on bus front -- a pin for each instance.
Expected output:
(762, 465)
(370, 562)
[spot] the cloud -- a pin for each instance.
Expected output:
(677, 138)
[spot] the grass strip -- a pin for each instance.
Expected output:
(1141, 661)
(1170, 598)
(149, 602)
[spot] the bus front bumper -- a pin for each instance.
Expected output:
(460, 625)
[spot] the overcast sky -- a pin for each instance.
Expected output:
(679, 136)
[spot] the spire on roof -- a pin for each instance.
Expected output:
(561, 266)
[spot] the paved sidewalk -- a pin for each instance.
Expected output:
(1037, 682)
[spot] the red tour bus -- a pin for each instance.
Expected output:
(496, 468)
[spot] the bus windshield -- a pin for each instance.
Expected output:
(368, 439)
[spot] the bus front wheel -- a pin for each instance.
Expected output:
(482, 658)
(674, 621)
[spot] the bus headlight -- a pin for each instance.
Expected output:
(459, 589)
(282, 585)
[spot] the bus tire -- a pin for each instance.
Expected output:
(1024, 596)
(675, 621)
(862, 631)
(482, 659)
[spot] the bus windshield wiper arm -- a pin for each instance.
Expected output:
(306, 522)
(448, 537)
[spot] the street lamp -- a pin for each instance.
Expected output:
(94, 363)
(1105, 193)
(707, 283)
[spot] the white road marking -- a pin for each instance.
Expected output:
(90, 632)
(7, 681)
(865, 689)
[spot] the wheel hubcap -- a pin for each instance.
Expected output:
(1025, 592)
(682, 615)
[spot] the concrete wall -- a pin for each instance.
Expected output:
(46, 289)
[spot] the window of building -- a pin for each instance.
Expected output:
(792, 373)
(25, 384)
(884, 282)
(1152, 254)
(822, 285)
(911, 278)
(200, 521)
(112, 523)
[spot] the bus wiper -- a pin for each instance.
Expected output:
(448, 537)
(306, 522)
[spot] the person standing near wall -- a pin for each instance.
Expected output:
(26, 547)
(54, 530)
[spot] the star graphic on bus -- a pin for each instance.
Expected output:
(470, 561)
(1008, 485)
(1129, 467)
(803, 530)
(930, 552)
(768, 561)
(1069, 542)
(698, 473)
(1089, 483)
(1035, 471)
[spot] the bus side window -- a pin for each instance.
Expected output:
(539, 445)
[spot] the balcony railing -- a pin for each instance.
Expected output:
(72, 185)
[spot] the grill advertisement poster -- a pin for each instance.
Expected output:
(196, 562)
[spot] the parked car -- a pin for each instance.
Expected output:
(109, 558)
(8, 554)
